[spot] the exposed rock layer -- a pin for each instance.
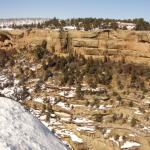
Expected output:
(134, 45)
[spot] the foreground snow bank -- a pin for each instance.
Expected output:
(19, 130)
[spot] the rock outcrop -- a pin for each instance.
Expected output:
(134, 45)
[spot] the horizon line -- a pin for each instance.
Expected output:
(2, 18)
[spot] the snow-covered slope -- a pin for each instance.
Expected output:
(19, 130)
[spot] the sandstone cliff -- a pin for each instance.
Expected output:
(133, 45)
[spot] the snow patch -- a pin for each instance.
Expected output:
(82, 121)
(130, 144)
(19, 130)
(86, 128)
(70, 134)
(102, 107)
(67, 94)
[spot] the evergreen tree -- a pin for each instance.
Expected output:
(78, 90)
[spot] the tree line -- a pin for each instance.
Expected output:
(88, 23)
(76, 69)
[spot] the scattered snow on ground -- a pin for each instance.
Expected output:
(115, 141)
(38, 99)
(138, 112)
(11, 91)
(16, 82)
(64, 105)
(146, 129)
(82, 121)
(130, 144)
(75, 138)
(108, 131)
(70, 134)
(19, 130)
(132, 135)
(43, 117)
(147, 101)
(86, 128)
(67, 88)
(34, 112)
(75, 105)
(120, 138)
(33, 68)
(65, 119)
(102, 107)
(30, 90)
(51, 99)
(62, 114)
(54, 122)
(86, 88)
(67, 94)
(9, 87)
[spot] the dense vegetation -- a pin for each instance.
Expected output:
(77, 69)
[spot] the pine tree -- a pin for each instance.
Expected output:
(44, 44)
(78, 90)
(133, 122)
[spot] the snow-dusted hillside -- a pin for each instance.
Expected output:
(19, 130)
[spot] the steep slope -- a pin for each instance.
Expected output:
(21, 131)
(134, 45)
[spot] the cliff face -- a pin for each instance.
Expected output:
(133, 45)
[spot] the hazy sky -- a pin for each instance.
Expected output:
(75, 8)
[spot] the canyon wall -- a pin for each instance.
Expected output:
(133, 45)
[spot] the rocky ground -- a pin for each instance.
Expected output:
(98, 121)
(104, 118)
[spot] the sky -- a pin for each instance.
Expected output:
(117, 9)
